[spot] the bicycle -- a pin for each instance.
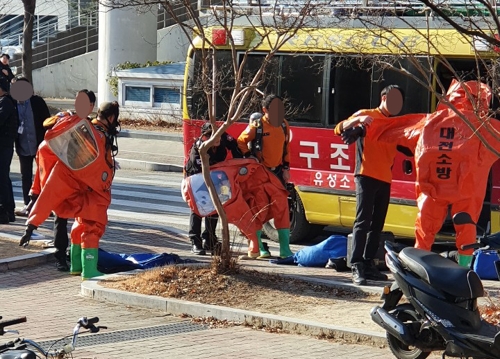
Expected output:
(18, 348)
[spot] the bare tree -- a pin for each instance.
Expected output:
(29, 18)
(233, 84)
(475, 25)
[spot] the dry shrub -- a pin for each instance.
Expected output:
(151, 124)
(218, 268)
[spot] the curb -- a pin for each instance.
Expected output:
(148, 166)
(94, 290)
(27, 260)
(151, 135)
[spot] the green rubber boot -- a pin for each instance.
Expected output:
(89, 260)
(262, 249)
(464, 260)
(75, 253)
(284, 239)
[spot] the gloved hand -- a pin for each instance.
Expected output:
(352, 134)
(33, 198)
(25, 239)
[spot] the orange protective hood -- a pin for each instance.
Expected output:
(468, 96)
(250, 193)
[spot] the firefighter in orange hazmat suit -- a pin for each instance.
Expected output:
(453, 157)
(251, 196)
(76, 168)
(269, 137)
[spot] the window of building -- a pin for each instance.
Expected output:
(171, 96)
(137, 94)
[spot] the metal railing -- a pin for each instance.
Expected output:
(270, 7)
(64, 45)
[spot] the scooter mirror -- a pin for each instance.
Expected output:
(462, 218)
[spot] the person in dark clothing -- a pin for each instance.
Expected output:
(31, 113)
(218, 153)
(60, 231)
(8, 133)
(373, 177)
(5, 70)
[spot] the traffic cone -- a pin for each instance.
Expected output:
(89, 261)
(75, 253)
(284, 240)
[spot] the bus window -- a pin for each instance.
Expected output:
(466, 70)
(296, 78)
(416, 96)
(197, 85)
(350, 88)
(301, 85)
(268, 83)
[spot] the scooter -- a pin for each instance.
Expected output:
(441, 312)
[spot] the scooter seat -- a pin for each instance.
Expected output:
(442, 273)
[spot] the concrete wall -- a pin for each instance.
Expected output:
(172, 44)
(127, 34)
(64, 79)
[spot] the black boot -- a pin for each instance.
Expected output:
(372, 272)
(4, 217)
(197, 247)
(210, 244)
(358, 273)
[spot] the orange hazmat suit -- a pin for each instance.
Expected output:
(453, 156)
(74, 180)
(251, 195)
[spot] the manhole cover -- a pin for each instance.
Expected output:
(126, 335)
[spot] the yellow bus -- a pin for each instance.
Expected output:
(329, 73)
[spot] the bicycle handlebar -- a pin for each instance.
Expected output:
(7, 345)
(6, 323)
(90, 322)
(82, 323)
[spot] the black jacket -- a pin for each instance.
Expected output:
(40, 113)
(9, 75)
(9, 121)
(216, 154)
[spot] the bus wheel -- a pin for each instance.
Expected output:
(300, 229)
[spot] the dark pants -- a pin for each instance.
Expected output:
(372, 201)
(26, 164)
(278, 171)
(208, 235)
(6, 192)
(60, 237)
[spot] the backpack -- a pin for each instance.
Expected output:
(256, 145)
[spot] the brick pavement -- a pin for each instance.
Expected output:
(52, 302)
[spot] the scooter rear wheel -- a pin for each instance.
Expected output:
(400, 349)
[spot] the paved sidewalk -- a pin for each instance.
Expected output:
(133, 238)
(42, 287)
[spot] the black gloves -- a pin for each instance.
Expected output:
(25, 239)
(352, 134)
(33, 198)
